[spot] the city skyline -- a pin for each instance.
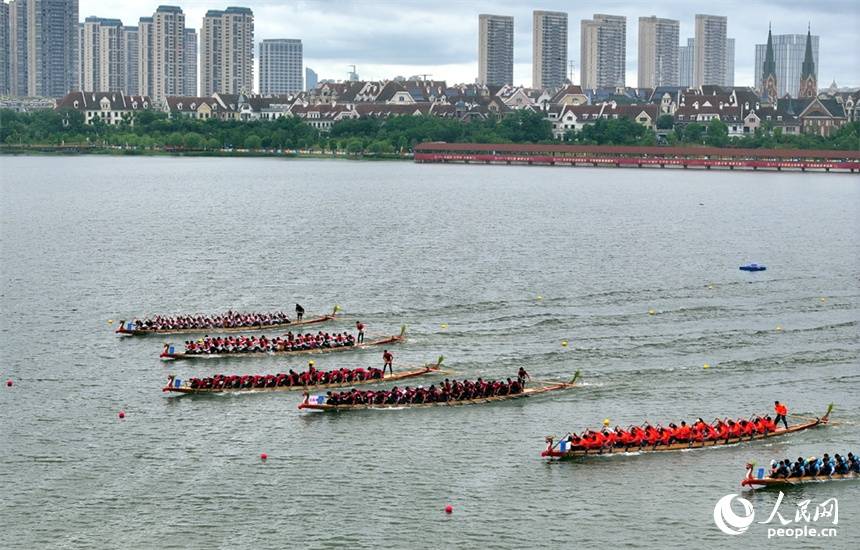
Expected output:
(338, 33)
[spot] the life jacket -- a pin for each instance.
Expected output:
(780, 409)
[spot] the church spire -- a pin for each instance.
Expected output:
(808, 81)
(768, 76)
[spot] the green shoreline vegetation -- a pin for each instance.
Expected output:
(153, 132)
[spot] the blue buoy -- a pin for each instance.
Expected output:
(752, 267)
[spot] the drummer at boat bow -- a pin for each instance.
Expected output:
(647, 435)
(359, 326)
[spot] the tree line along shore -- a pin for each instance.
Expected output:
(153, 132)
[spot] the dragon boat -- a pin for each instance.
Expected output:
(127, 328)
(169, 353)
(176, 385)
(560, 450)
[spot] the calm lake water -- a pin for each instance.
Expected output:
(90, 239)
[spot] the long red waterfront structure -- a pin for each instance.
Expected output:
(626, 156)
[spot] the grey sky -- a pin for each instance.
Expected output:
(386, 38)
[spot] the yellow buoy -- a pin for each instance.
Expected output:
(706, 366)
(110, 321)
(539, 297)
(444, 325)
(606, 422)
(564, 343)
(710, 286)
(311, 363)
(778, 328)
(823, 299)
(652, 312)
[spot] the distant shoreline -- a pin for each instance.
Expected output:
(52, 150)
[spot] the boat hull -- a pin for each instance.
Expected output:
(367, 344)
(528, 392)
(218, 330)
(581, 453)
(782, 482)
(426, 369)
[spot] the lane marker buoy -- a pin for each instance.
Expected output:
(121, 415)
(706, 366)
(264, 457)
(449, 509)
(564, 343)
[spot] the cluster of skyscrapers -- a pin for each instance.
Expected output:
(707, 59)
(48, 52)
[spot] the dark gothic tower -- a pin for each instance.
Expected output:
(808, 82)
(768, 77)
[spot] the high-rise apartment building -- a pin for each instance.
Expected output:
(18, 47)
(52, 50)
(658, 52)
(130, 41)
(789, 51)
(730, 62)
(686, 61)
(168, 52)
(103, 57)
(280, 66)
(710, 50)
(227, 51)
(549, 49)
(4, 48)
(311, 79)
(189, 86)
(146, 56)
(603, 51)
(495, 49)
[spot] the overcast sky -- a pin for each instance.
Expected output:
(387, 38)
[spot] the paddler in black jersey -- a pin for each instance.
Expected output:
(300, 312)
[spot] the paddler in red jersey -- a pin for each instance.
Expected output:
(359, 326)
(387, 362)
(683, 433)
(781, 411)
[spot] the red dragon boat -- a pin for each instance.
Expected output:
(560, 451)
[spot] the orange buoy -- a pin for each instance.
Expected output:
(449, 509)
(263, 456)
(121, 415)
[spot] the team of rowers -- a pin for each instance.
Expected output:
(252, 344)
(311, 377)
(650, 436)
(824, 466)
(230, 319)
(446, 392)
